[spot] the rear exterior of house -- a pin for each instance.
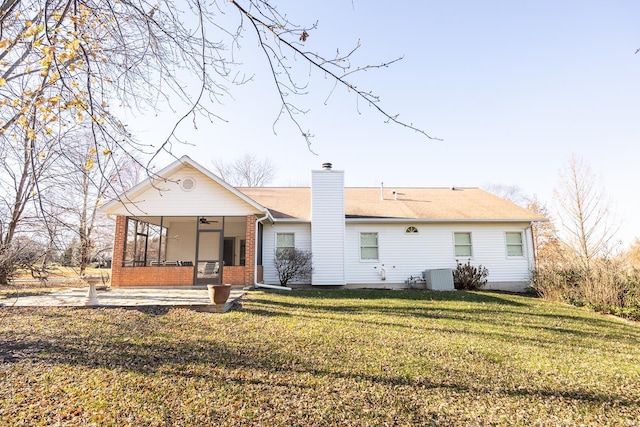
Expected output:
(192, 228)
(188, 229)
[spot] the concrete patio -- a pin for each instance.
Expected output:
(195, 298)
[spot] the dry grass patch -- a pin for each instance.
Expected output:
(322, 358)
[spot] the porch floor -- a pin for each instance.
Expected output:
(196, 298)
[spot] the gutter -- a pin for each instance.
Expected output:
(391, 220)
(255, 258)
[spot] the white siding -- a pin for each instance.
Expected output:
(168, 199)
(302, 232)
(403, 255)
(327, 227)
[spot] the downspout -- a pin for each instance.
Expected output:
(255, 260)
(533, 245)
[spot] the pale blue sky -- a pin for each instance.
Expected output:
(514, 88)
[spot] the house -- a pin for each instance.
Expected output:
(191, 228)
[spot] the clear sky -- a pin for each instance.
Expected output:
(513, 89)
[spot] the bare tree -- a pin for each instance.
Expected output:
(633, 254)
(82, 191)
(512, 193)
(246, 171)
(584, 212)
(23, 174)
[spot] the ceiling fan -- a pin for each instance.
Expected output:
(204, 220)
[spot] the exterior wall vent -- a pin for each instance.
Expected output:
(187, 184)
(327, 166)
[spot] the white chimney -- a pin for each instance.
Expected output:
(327, 226)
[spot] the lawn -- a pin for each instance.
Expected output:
(330, 358)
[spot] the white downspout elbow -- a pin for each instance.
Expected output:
(255, 260)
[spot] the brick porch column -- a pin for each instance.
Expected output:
(119, 235)
(250, 248)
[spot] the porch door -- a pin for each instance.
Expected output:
(208, 260)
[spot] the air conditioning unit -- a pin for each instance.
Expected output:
(439, 279)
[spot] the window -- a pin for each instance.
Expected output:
(145, 243)
(369, 246)
(411, 229)
(462, 242)
(285, 244)
(514, 244)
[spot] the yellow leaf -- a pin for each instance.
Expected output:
(54, 99)
(89, 164)
(92, 151)
(106, 151)
(3, 81)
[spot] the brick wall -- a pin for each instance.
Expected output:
(156, 276)
(234, 275)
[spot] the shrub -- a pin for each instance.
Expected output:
(293, 264)
(607, 286)
(469, 277)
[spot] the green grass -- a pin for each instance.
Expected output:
(323, 359)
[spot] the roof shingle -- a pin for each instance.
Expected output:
(439, 204)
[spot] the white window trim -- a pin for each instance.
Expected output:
(453, 236)
(522, 245)
(276, 247)
(377, 246)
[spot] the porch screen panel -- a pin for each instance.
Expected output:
(141, 243)
(145, 243)
(209, 246)
(130, 243)
(156, 243)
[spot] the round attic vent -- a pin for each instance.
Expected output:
(188, 184)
